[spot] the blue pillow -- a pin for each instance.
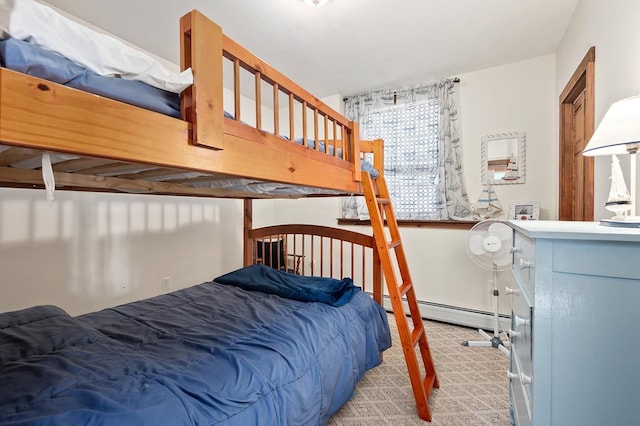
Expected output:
(264, 279)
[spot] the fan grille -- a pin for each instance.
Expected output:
(489, 244)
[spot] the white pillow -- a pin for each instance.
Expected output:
(43, 26)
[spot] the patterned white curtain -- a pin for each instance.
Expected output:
(451, 199)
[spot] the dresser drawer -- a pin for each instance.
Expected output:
(523, 259)
(521, 402)
(521, 333)
(594, 258)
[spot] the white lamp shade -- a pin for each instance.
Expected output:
(618, 131)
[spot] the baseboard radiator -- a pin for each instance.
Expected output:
(456, 315)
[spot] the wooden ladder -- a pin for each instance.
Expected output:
(401, 286)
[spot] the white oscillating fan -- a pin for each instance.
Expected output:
(489, 246)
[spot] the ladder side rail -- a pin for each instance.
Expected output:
(421, 386)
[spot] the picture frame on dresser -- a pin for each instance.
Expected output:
(529, 210)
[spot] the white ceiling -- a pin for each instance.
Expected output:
(349, 46)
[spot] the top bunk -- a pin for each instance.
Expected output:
(263, 136)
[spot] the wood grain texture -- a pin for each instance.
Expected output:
(582, 82)
(45, 116)
(203, 39)
(128, 142)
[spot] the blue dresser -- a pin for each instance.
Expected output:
(575, 324)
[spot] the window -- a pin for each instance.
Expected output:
(422, 147)
(410, 134)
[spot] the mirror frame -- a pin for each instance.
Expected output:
(521, 163)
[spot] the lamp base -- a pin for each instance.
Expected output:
(622, 221)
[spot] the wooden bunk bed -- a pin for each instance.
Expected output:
(110, 146)
(39, 115)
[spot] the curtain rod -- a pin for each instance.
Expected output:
(454, 79)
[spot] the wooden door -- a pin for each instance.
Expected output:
(576, 128)
(579, 167)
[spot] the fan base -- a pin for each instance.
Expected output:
(494, 341)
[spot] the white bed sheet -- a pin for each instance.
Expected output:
(39, 24)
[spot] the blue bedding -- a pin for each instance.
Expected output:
(211, 354)
(30, 59)
(268, 280)
(365, 166)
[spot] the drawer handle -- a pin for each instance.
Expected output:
(524, 379)
(524, 264)
(510, 290)
(521, 321)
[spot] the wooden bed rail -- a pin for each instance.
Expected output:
(376, 149)
(202, 103)
(113, 146)
(297, 114)
(336, 127)
(315, 250)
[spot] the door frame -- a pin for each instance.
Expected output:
(582, 80)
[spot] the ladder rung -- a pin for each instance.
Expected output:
(384, 201)
(428, 383)
(394, 244)
(404, 288)
(416, 334)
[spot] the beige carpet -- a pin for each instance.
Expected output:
(473, 385)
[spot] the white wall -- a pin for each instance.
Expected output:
(509, 98)
(612, 27)
(88, 251)
(94, 250)
(512, 97)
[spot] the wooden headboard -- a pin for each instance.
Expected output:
(316, 250)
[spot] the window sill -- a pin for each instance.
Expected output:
(451, 224)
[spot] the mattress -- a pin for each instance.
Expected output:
(209, 354)
(95, 50)
(30, 59)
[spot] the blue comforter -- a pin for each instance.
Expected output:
(209, 354)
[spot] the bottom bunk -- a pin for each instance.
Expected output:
(216, 353)
(271, 245)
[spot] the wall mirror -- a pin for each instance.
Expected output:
(503, 159)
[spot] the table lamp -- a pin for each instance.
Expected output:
(619, 133)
